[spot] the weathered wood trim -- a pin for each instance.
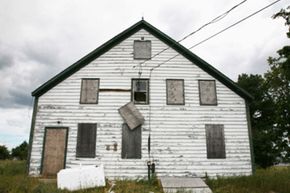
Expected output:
(183, 90)
(97, 98)
(199, 92)
(148, 91)
(114, 90)
(250, 137)
(43, 145)
(31, 133)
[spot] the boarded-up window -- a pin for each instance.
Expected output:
(131, 142)
(175, 92)
(142, 49)
(131, 115)
(207, 92)
(86, 140)
(140, 91)
(215, 143)
(89, 91)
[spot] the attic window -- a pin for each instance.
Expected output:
(89, 91)
(142, 49)
(140, 91)
(207, 92)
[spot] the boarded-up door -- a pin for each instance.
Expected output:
(54, 151)
(131, 142)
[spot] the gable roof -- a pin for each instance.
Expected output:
(125, 34)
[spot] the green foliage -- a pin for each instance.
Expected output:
(263, 181)
(20, 152)
(12, 168)
(270, 110)
(4, 153)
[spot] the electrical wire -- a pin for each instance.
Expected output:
(214, 20)
(210, 37)
(219, 32)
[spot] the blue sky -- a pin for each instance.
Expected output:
(40, 38)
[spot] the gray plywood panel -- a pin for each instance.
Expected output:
(175, 92)
(207, 92)
(131, 142)
(89, 91)
(142, 49)
(131, 115)
(86, 140)
(215, 141)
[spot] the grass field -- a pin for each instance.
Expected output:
(14, 180)
(271, 180)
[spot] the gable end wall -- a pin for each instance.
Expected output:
(178, 137)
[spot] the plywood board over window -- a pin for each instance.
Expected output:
(86, 140)
(207, 92)
(89, 91)
(215, 142)
(142, 49)
(131, 142)
(175, 91)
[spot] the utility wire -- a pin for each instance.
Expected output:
(216, 19)
(221, 31)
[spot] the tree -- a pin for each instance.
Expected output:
(278, 77)
(261, 109)
(20, 152)
(4, 153)
(270, 110)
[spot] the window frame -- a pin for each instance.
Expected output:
(97, 91)
(147, 91)
(183, 92)
(150, 50)
(215, 92)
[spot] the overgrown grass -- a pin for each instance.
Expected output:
(275, 179)
(14, 180)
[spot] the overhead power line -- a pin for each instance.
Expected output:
(214, 20)
(221, 31)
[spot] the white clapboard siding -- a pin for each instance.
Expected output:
(178, 136)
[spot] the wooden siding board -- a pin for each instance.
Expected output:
(61, 103)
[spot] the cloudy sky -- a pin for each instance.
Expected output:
(40, 38)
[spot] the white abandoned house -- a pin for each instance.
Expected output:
(124, 104)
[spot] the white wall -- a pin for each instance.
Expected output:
(178, 141)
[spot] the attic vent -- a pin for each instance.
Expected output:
(142, 49)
